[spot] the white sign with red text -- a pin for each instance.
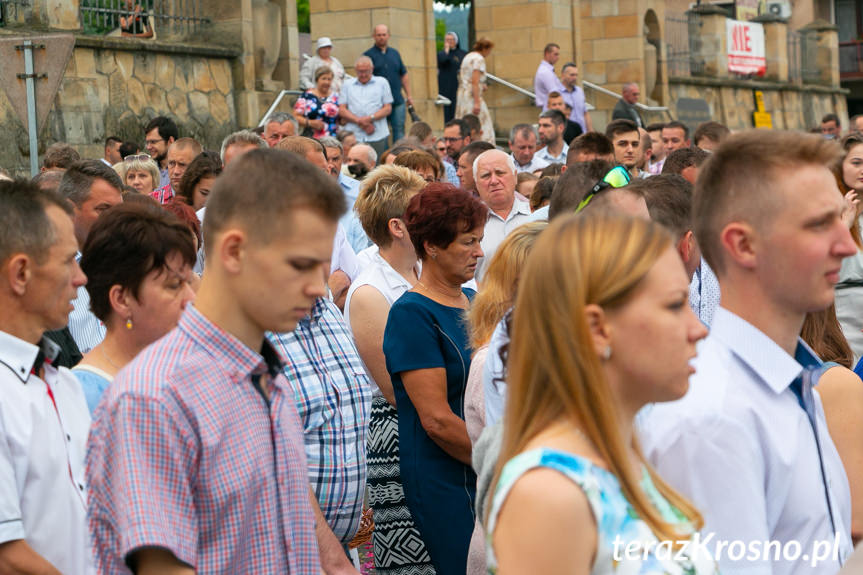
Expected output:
(745, 47)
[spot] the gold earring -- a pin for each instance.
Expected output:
(129, 323)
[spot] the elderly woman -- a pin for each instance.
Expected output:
(138, 259)
(473, 84)
(322, 57)
(139, 171)
(317, 109)
(391, 271)
(198, 179)
(428, 358)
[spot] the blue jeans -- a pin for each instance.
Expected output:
(397, 121)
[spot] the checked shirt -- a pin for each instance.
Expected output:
(185, 454)
(333, 395)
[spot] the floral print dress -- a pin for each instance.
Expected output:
(637, 551)
(314, 108)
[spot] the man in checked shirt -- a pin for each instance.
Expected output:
(196, 461)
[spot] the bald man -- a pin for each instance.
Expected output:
(495, 178)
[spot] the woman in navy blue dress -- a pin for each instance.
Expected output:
(428, 357)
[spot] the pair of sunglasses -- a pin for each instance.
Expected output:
(136, 157)
(617, 177)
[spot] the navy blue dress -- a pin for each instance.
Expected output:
(439, 489)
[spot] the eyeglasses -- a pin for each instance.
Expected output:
(137, 157)
(446, 139)
(617, 177)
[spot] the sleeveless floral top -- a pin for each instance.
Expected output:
(625, 545)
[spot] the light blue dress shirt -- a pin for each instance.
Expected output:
(743, 450)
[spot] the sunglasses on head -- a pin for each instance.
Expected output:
(137, 157)
(617, 177)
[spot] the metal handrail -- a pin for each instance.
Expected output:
(608, 92)
(521, 90)
(278, 99)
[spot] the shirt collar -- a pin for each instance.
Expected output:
(544, 154)
(230, 353)
(20, 356)
(518, 207)
(761, 354)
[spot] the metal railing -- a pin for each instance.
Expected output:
(617, 96)
(172, 17)
(9, 10)
(523, 91)
(681, 32)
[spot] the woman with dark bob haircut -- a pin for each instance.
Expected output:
(198, 180)
(138, 259)
(427, 353)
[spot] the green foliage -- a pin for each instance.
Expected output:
(303, 16)
(439, 32)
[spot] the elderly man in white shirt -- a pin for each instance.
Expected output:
(749, 442)
(365, 102)
(44, 418)
(495, 176)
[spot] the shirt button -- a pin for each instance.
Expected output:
(81, 487)
(68, 437)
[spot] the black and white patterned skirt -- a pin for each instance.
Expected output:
(398, 547)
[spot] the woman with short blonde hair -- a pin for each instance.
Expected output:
(139, 171)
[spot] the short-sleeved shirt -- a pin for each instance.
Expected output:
(43, 434)
(364, 100)
(389, 65)
(186, 454)
(334, 398)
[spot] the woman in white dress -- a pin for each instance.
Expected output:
(472, 84)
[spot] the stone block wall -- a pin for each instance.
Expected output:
(112, 89)
(732, 102)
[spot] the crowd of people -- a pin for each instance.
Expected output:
(592, 353)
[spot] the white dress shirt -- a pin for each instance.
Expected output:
(497, 228)
(42, 489)
(742, 448)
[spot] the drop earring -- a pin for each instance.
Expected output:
(129, 323)
(606, 353)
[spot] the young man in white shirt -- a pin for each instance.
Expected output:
(44, 418)
(749, 442)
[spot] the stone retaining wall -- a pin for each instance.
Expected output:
(113, 87)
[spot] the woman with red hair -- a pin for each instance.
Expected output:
(428, 358)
